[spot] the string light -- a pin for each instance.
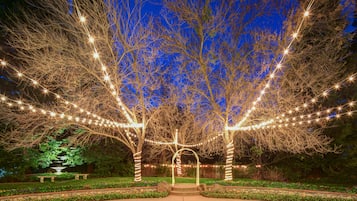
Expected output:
(325, 93)
(46, 91)
(22, 106)
(278, 66)
(104, 69)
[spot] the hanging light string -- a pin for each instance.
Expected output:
(278, 67)
(333, 112)
(45, 90)
(106, 76)
(309, 121)
(22, 106)
(350, 79)
(337, 86)
(184, 145)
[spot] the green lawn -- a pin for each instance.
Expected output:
(118, 182)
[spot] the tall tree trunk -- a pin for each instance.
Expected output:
(137, 166)
(178, 163)
(229, 162)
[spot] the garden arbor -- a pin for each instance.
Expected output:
(197, 165)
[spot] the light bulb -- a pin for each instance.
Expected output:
(96, 55)
(82, 19)
(286, 51)
(306, 13)
(295, 35)
(351, 78)
(3, 63)
(91, 39)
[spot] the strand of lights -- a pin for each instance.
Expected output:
(106, 76)
(245, 128)
(281, 118)
(137, 166)
(328, 111)
(307, 122)
(278, 67)
(184, 145)
(51, 114)
(337, 86)
(179, 165)
(228, 176)
(37, 84)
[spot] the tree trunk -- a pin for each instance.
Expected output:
(178, 163)
(137, 167)
(229, 162)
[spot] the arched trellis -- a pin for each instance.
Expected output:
(197, 165)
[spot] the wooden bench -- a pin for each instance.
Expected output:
(84, 176)
(42, 178)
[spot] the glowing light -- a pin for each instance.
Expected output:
(286, 51)
(278, 66)
(295, 35)
(337, 86)
(96, 55)
(19, 74)
(306, 13)
(82, 19)
(91, 39)
(351, 78)
(3, 63)
(45, 91)
(34, 82)
(313, 100)
(106, 78)
(325, 93)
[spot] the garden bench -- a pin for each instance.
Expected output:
(84, 176)
(42, 178)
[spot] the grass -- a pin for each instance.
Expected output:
(110, 196)
(292, 185)
(123, 182)
(270, 197)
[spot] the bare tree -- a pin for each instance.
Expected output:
(94, 62)
(244, 74)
